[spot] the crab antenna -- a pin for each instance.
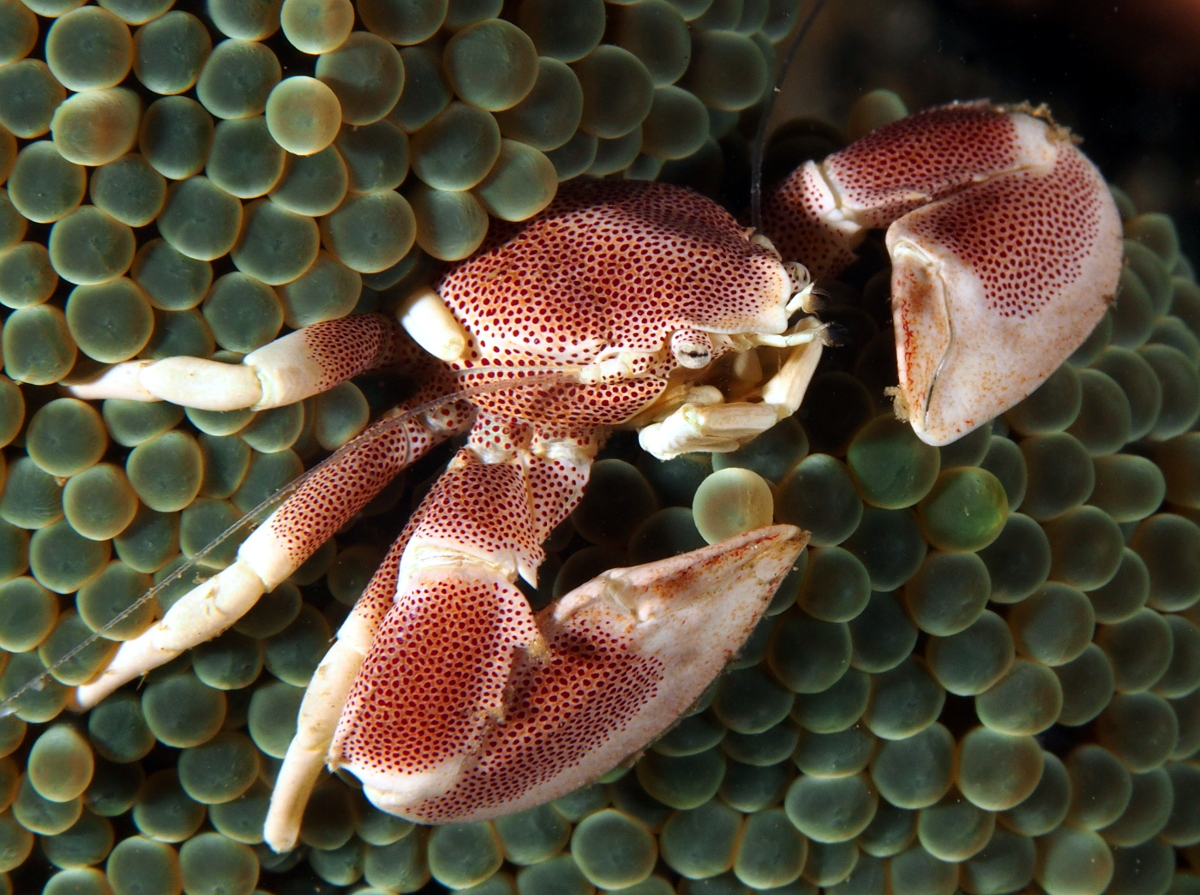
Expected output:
(255, 516)
(760, 135)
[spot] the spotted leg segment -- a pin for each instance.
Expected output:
(303, 363)
(322, 504)
(1005, 243)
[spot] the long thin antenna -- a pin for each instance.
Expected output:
(760, 136)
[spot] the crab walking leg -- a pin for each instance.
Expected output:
(321, 505)
(323, 701)
(1005, 244)
(303, 363)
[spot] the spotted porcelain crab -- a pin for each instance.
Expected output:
(622, 304)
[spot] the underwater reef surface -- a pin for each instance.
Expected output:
(983, 676)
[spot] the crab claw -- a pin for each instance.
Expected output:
(628, 652)
(995, 286)
(1005, 246)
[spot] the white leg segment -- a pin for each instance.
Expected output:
(319, 713)
(323, 702)
(785, 390)
(204, 384)
(301, 364)
(118, 381)
(697, 427)
(426, 318)
(199, 615)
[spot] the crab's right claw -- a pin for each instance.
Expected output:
(628, 653)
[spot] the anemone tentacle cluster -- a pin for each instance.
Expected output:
(984, 675)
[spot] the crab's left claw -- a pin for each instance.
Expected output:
(995, 286)
(1006, 250)
(628, 652)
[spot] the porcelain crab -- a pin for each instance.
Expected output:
(619, 305)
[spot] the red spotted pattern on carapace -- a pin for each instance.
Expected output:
(608, 267)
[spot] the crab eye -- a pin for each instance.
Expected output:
(691, 348)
